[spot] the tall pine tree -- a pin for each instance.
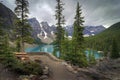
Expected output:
(78, 39)
(60, 23)
(115, 50)
(65, 47)
(23, 28)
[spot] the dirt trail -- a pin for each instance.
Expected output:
(59, 70)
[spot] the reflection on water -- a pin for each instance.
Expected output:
(49, 49)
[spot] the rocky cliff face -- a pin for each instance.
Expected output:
(42, 30)
(8, 16)
(93, 30)
(7, 19)
(35, 26)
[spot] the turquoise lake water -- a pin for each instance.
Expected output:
(49, 49)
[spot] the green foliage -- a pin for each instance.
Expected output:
(2, 38)
(55, 53)
(78, 39)
(104, 40)
(65, 47)
(8, 59)
(6, 55)
(23, 29)
(71, 50)
(60, 31)
(79, 57)
(18, 46)
(91, 58)
(115, 51)
(22, 68)
(28, 68)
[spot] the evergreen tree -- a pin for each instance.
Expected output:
(115, 50)
(18, 46)
(23, 28)
(4, 40)
(78, 39)
(65, 47)
(91, 57)
(1, 38)
(60, 23)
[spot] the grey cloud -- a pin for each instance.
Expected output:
(96, 12)
(9, 3)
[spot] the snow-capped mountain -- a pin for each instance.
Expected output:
(35, 27)
(46, 33)
(42, 30)
(88, 30)
(93, 30)
(69, 30)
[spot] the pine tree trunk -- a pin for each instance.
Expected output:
(22, 27)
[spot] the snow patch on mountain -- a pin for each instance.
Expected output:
(52, 32)
(45, 32)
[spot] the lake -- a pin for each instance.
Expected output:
(49, 49)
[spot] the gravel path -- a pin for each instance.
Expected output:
(58, 69)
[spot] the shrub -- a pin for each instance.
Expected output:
(77, 59)
(22, 68)
(28, 68)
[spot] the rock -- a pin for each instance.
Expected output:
(38, 61)
(44, 77)
(87, 75)
(45, 70)
(24, 77)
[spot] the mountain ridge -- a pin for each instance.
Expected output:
(41, 31)
(105, 38)
(47, 32)
(7, 17)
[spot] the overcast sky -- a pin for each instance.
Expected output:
(95, 12)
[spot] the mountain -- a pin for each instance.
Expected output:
(88, 30)
(46, 33)
(93, 30)
(69, 29)
(8, 17)
(104, 40)
(42, 31)
(35, 27)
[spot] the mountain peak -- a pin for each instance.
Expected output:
(45, 31)
(32, 19)
(44, 23)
